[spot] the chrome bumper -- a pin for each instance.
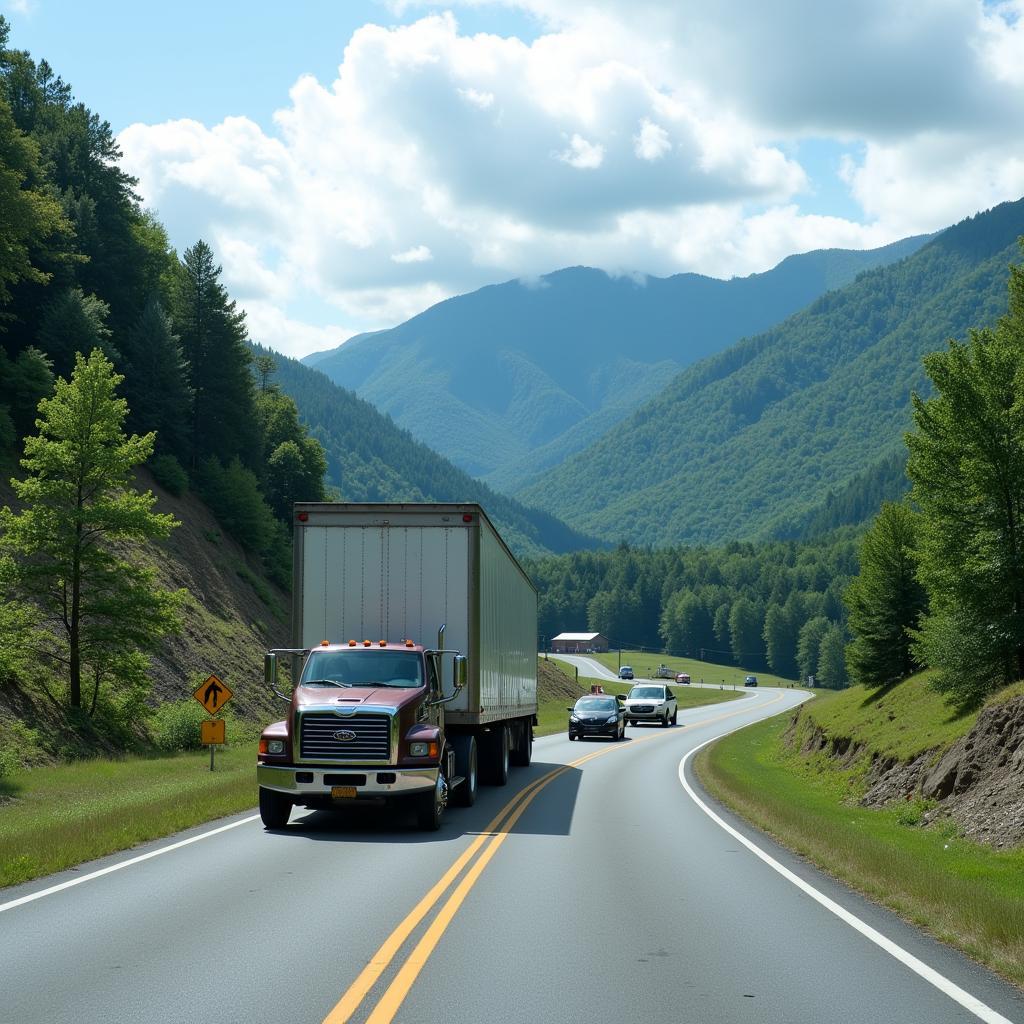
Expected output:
(407, 781)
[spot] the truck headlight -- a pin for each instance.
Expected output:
(420, 748)
(271, 746)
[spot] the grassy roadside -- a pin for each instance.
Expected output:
(965, 894)
(57, 817)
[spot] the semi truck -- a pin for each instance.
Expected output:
(413, 662)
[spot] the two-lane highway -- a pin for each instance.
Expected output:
(592, 887)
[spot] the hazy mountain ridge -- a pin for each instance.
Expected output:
(370, 458)
(742, 444)
(514, 377)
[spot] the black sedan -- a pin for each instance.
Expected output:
(597, 715)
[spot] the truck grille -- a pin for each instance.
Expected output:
(320, 740)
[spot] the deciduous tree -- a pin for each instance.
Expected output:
(69, 553)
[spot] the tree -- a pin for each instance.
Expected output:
(809, 645)
(72, 323)
(213, 338)
(64, 553)
(30, 213)
(886, 600)
(157, 387)
(967, 469)
(780, 636)
(831, 671)
(746, 627)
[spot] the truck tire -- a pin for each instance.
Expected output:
(466, 760)
(522, 752)
(496, 755)
(430, 806)
(274, 808)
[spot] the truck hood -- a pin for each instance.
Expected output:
(357, 696)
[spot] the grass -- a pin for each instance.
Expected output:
(57, 817)
(965, 894)
(644, 666)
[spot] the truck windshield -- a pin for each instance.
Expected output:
(363, 668)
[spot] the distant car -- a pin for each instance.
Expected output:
(625, 672)
(750, 681)
(597, 715)
(683, 678)
(651, 702)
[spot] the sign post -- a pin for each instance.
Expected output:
(213, 693)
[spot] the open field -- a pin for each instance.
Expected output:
(644, 666)
(963, 893)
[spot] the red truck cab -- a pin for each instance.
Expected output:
(365, 723)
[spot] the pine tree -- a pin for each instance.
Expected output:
(213, 338)
(57, 555)
(886, 600)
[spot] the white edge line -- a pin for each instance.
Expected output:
(942, 983)
(123, 864)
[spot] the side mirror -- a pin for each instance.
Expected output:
(460, 670)
(569, 709)
(270, 670)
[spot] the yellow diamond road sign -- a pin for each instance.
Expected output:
(213, 694)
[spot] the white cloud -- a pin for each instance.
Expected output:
(582, 155)
(631, 134)
(652, 141)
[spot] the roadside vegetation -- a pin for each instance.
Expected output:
(906, 856)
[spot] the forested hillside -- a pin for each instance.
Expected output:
(513, 378)
(749, 441)
(369, 458)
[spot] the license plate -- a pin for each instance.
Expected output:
(343, 792)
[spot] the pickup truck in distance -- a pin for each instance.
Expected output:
(374, 714)
(651, 702)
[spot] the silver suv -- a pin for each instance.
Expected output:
(651, 702)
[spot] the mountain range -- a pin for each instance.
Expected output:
(745, 443)
(510, 380)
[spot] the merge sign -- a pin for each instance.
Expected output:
(213, 694)
(212, 732)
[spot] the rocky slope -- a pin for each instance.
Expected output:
(978, 781)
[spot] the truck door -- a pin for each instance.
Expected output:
(435, 715)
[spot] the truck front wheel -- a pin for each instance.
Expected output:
(274, 808)
(464, 793)
(431, 805)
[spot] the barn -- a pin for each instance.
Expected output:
(577, 643)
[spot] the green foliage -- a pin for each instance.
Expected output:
(831, 671)
(808, 647)
(19, 745)
(30, 213)
(967, 467)
(94, 606)
(886, 600)
(169, 474)
(175, 725)
(74, 323)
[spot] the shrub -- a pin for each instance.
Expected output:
(175, 725)
(168, 473)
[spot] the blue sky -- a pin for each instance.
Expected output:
(348, 176)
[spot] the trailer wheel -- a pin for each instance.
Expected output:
(522, 752)
(496, 755)
(465, 765)
(274, 808)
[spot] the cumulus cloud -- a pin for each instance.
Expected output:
(636, 136)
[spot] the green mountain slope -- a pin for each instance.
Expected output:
(369, 458)
(740, 445)
(513, 378)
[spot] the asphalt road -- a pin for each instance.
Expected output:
(613, 896)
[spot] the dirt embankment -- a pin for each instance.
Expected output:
(978, 782)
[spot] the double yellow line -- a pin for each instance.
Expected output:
(493, 836)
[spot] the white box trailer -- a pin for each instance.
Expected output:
(401, 571)
(377, 711)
